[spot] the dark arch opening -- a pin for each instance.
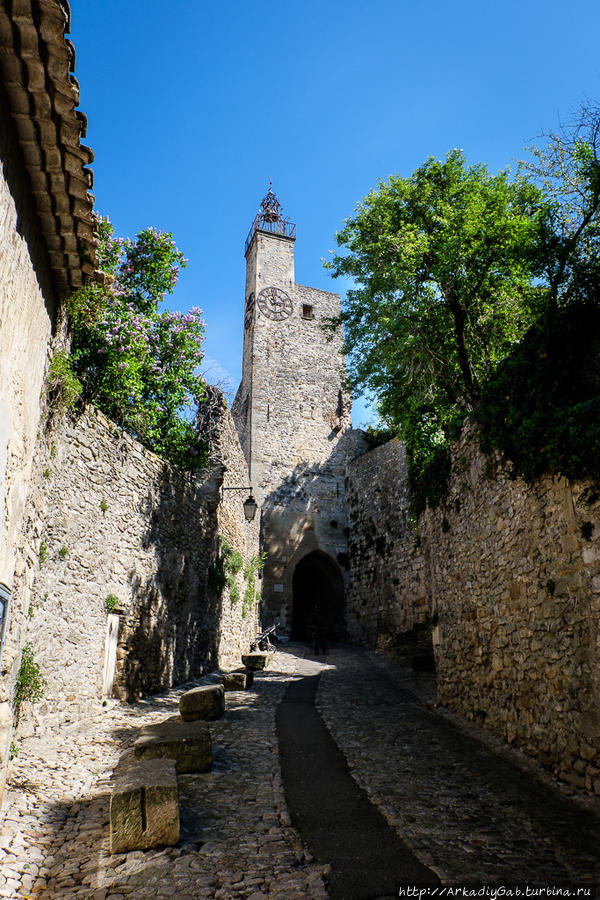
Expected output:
(317, 599)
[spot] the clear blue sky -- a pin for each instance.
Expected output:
(194, 106)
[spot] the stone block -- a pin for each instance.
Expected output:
(257, 661)
(188, 743)
(240, 680)
(206, 702)
(144, 806)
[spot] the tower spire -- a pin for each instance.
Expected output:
(269, 218)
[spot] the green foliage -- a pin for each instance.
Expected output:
(103, 505)
(444, 267)
(378, 436)
(137, 364)
(234, 561)
(111, 603)
(443, 262)
(254, 565)
(251, 570)
(230, 562)
(63, 552)
(568, 171)
(53, 450)
(63, 385)
(46, 473)
(249, 593)
(13, 751)
(541, 409)
(227, 566)
(30, 683)
(42, 553)
(234, 589)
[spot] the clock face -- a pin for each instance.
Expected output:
(249, 310)
(274, 303)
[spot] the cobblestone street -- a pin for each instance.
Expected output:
(472, 810)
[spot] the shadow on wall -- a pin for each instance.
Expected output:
(173, 632)
(306, 514)
(28, 222)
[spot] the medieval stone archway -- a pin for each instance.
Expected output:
(317, 599)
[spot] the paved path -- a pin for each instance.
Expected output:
(473, 810)
(466, 809)
(334, 816)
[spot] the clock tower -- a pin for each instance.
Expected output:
(292, 413)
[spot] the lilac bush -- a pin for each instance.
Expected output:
(137, 364)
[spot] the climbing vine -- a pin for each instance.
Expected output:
(225, 569)
(30, 681)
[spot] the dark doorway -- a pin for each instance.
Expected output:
(318, 599)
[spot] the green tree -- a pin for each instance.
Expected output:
(567, 169)
(443, 265)
(541, 408)
(137, 364)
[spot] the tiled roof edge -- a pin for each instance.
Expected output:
(36, 66)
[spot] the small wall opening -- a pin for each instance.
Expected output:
(317, 599)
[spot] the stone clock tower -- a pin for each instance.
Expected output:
(292, 412)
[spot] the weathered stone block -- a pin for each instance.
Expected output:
(144, 810)
(188, 743)
(206, 702)
(257, 661)
(238, 681)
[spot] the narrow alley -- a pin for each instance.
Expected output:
(470, 810)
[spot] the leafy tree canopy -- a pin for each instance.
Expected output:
(451, 267)
(137, 364)
(443, 264)
(567, 169)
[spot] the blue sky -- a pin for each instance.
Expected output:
(193, 106)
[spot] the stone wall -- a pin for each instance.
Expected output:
(27, 315)
(306, 513)
(237, 622)
(27, 311)
(513, 572)
(387, 594)
(107, 517)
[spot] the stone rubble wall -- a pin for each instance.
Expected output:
(27, 309)
(116, 519)
(511, 573)
(27, 319)
(387, 594)
(237, 626)
(307, 512)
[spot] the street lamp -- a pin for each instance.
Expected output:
(250, 505)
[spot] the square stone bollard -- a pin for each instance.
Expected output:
(144, 806)
(188, 743)
(240, 680)
(206, 702)
(257, 660)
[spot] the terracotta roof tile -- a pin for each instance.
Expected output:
(36, 66)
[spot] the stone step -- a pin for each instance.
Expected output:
(239, 680)
(188, 743)
(206, 702)
(144, 806)
(257, 660)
